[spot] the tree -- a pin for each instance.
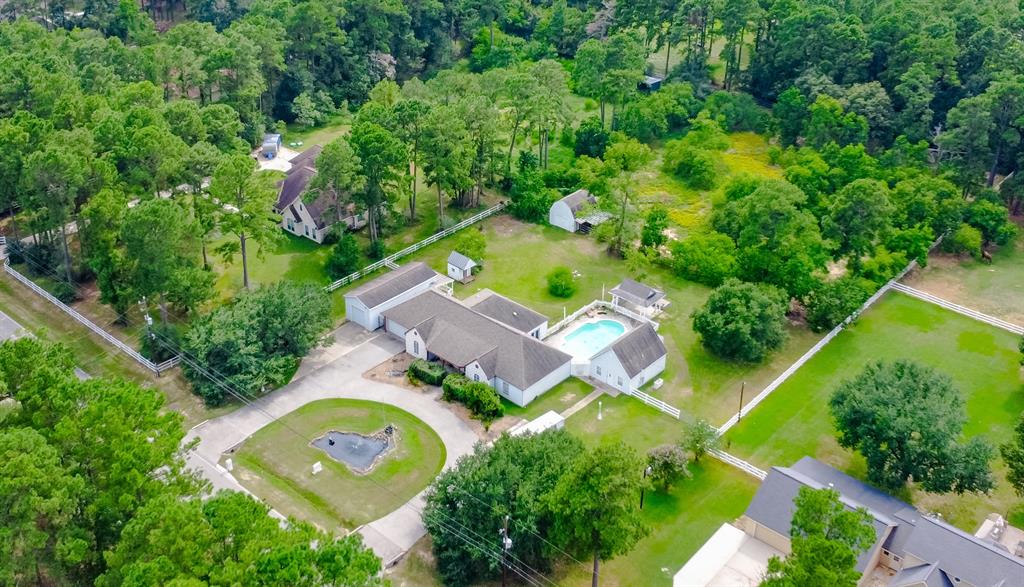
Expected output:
(344, 259)
(742, 321)
(705, 257)
(595, 504)
(512, 477)
(699, 168)
(790, 112)
(381, 154)
(238, 183)
(965, 239)
(473, 244)
(1013, 452)
(338, 177)
(447, 156)
(907, 419)
(655, 223)
(829, 123)
(825, 539)
(858, 215)
(410, 115)
(199, 163)
(591, 138)
(992, 220)
(668, 465)
(699, 438)
(831, 302)
(162, 247)
(561, 283)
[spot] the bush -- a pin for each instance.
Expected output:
(344, 258)
(742, 321)
(162, 345)
(668, 464)
(376, 250)
(63, 291)
(591, 138)
(708, 258)
(830, 302)
(697, 167)
(561, 283)
(882, 266)
(427, 372)
(478, 397)
(16, 252)
(43, 259)
(472, 243)
(966, 239)
(530, 198)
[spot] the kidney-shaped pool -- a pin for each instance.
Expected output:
(587, 339)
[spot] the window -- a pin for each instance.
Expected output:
(307, 230)
(476, 377)
(619, 380)
(291, 225)
(599, 369)
(415, 347)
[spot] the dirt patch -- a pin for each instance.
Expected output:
(505, 225)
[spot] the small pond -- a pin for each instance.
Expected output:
(358, 451)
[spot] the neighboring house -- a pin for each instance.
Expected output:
(365, 304)
(638, 297)
(460, 267)
(509, 313)
(310, 219)
(910, 549)
(271, 146)
(631, 361)
(436, 327)
(575, 212)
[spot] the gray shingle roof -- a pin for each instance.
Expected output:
(460, 335)
(637, 293)
(461, 261)
(638, 349)
(392, 284)
(293, 186)
(951, 551)
(509, 313)
(578, 199)
(308, 156)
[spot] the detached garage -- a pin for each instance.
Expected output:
(366, 304)
(631, 361)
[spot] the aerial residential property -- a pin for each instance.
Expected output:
(577, 293)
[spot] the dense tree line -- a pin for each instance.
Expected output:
(93, 490)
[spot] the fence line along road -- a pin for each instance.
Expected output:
(389, 261)
(970, 313)
(121, 346)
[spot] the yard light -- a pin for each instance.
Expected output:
(647, 472)
(599, 410)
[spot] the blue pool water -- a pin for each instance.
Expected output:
(590, 338)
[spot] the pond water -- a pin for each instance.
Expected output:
(355, 450)
(586, 340)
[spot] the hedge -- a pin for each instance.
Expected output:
(427, 372)
(480, 398)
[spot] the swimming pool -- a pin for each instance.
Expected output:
(591, 337)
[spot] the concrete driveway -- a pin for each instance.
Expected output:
(338, 374)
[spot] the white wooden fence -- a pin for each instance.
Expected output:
(656, 403)
(121, 346)
(389, 261)
(739, 463)
(970, 313)
(598, 304)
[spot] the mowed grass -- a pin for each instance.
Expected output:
(982, 361)
(996, 289)
(558, 399)
(276, 463)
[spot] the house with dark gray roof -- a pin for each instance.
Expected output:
(911, 549)
(509, 313)
(577, 212)
(305, 213)
(460, 267)
(366, 304)
(638, 297)
(631, 361)
(440, 328)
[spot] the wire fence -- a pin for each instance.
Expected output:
(389, 261)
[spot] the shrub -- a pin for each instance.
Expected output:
(830, 302)
(742, 321)
(561, 283)
(882, 266)
(708, 258)
(966, 239)
(16, 252)
(63, 291)
(478, 397)
(591, 138)
(668, 464)
(376, 250)
(344, 258)
(697, 167)
(162, 345)
(472, 243)
(427, 372)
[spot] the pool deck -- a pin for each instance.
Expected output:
(558, 338)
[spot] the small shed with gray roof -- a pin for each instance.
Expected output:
(577, 212)
(366, 304)
(460, 267)
(631, 360)
(638, 297)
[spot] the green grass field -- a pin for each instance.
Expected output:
(996, 289)
(275, 464)
(559, 398)
(794, 421)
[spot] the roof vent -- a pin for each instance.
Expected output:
(831, 486)
(514, 313)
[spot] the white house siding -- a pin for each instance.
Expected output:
(476, 373)
(539, 332)
(395, 328)
(303, 225)
(649, 373)
(372, 320)
(414, 344)
(358, 313)
(508, 391)
(455, 273)
(606, 368)
(547, 382)
(561, 216)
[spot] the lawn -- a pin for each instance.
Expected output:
(337, 126)
(794, 421)
(559, 398)
(695, 381)
(276, 462)
(996, 289)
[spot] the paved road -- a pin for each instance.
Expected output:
(339, 376)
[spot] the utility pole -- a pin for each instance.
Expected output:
(506, 544)
(647, 472)
(739, 415)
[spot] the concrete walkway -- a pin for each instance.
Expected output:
(340, 376)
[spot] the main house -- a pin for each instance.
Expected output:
(911, 549)
(311, 219)
(487, 342)
(576, 212)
